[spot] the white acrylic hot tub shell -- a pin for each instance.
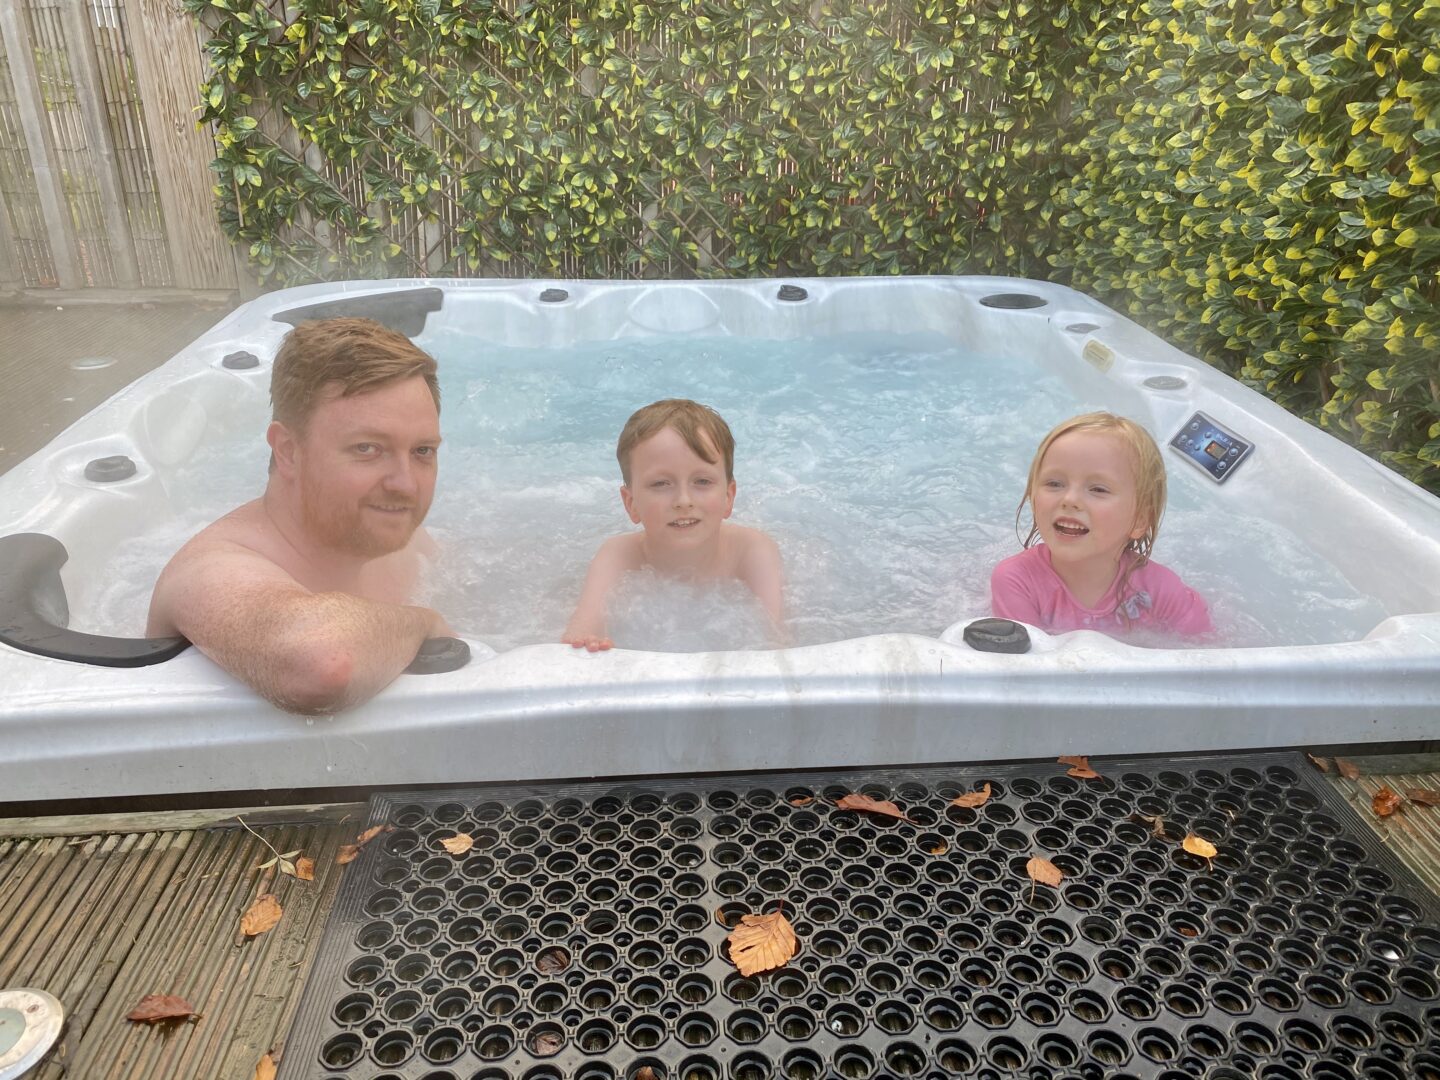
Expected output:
(69, 730)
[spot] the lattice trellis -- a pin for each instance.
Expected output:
(630, 139)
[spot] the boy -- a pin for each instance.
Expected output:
(677, 458)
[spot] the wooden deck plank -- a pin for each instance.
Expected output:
(101, 911)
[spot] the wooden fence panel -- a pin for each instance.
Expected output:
(105, 178)
(169, 67)
(49, 184)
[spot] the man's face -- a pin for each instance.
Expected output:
(366, 467)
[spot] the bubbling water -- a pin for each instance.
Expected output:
(886, 467)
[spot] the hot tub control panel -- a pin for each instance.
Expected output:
(1210, 446)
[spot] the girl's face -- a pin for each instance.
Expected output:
(1084, 498)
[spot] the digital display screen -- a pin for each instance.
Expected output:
(1214, 449)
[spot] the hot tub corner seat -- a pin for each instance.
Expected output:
(33, 611)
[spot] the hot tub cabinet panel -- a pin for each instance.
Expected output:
(72, 730)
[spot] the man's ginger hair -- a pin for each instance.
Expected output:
(357, 355)
(694, 422)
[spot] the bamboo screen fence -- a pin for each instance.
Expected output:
(104, 175)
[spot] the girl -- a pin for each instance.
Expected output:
(1096, 491)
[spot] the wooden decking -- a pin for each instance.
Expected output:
(101, 911)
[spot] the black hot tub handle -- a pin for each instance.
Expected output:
(34, 611)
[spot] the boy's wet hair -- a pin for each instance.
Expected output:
(357, 355)
(702, 428)
(1149, 480)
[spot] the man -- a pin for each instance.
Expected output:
(303, 592)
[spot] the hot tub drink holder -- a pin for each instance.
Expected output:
(584, 934)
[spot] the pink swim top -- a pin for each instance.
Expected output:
(1026, 588)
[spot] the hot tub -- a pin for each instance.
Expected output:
(122, 481)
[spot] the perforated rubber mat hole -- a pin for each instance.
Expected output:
(583, 935)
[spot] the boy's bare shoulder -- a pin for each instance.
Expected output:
(624, 551)
(749, 541)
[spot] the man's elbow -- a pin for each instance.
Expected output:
(316, 681)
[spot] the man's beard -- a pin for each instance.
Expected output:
(343, 528)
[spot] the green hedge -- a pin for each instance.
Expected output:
(1252, 182)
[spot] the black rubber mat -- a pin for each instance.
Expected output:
(583, 935)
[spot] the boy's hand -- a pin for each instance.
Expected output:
(589, 642)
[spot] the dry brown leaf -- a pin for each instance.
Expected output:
(546, 1043)
(348, 854)
(1079, 766)
(1156, 823)
(458, 844)
(1188, 931)
(372, 832)
(874, 806)
(1044, 871)
(800, 800)
(1197, 845)
(1321, 763)
(974, 799)
(1423, 796)
(645, 1072)
(940, 848)
(265, 1068)
(305, 868)
(263, 915)
(552, 960)
(1385, 802)
(1348, 769)
(762, 942)
(155, 1007)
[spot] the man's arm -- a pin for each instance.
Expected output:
(305, 652)
(586, 628)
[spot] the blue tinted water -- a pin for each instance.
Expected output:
(887, 468)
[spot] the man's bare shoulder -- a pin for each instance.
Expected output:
(236, 551)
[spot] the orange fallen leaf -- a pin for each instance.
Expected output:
(1385, 802)
(940, 848)
(796, 800)
(350, 852)
(874, 806)
(1348, 769)
(1044, 871)
(263, 915)
(645, 1072)
(974, 799)
(1423, 796)
(156, 1007)
(1321, 763)
(305, 868)
(265, 1068)
(1188, 931)
(1079, 766)
(762, 942)
(458, 844)
(372, 832)
(1197, 845)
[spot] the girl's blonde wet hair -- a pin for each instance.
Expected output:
(1149, 471)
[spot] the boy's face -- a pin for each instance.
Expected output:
(678, 496)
